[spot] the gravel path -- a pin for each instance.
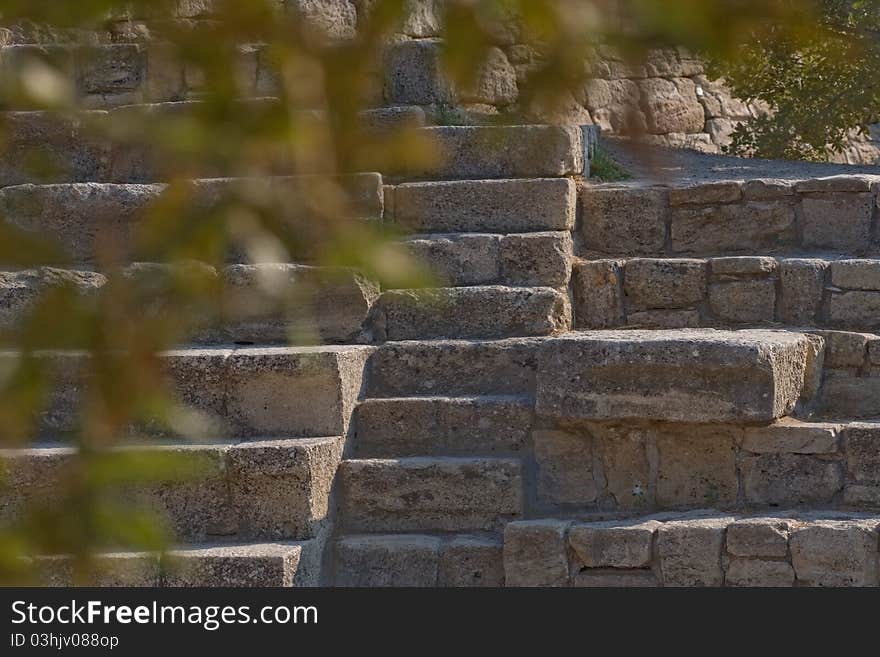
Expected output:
(658, 165)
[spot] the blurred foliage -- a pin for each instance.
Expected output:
(313, 126)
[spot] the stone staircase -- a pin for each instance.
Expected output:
(629, 384)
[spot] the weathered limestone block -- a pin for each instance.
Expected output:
(845, 348)
(857, 309)
(109, 569)
(448, 494)
(789, 479)
(499, 206)
(414, 75)
(664, 319)
(837, 221)
(598, 297)
(742, 376)
(526, 151)
(801, 282)
(856, 274)
(259, 565)
(862, 447)
(306, 391)
(535, 553)
(537, 259)
(19, 290)
(839, 183)
(44, 147)
(89, 221)
(110, 69)
(788, 436)
(613, 544)
(565, 468)
(696, 467)
(743, 266)
(385, 561)
(836, 553)
(506, 367)
(472, 561)
(469, 312)
(748, 301)
(664, 283)
(624, 220)
(625, 467)
(615, 578)
(671, 105)
(459, 259)
(496, 81)
(331, 19)
(706, 193)
(757, 572)
(849, 397)
(759, 537)
(295, 303)
(281, 488)
(614, 104)
(442, 425)
(731, 228)
(763, 189)
(689, 551)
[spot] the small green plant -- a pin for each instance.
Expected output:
(604, 169)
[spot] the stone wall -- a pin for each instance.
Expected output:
(695, 550)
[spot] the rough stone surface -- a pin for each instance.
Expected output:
(535, 553)
(801, 282)
(671, 105)
(690, 552)
(841, 221)
(469, 312)
(637, 374)
(442, 493)
(624, 220)
(836, 553)
(598, 295)
(757, 572)
(850, 397)
(385, 561)
(662, 283)
(746, 302)
(664, 319)
(613, 545)
(499, 206)
(697, 468)
(463, 259)
(564, 468)
(471, 561)
(856, 274)
(626, 469)
(789, 479)
(541, 259)
(856, 309)
(272, 564)
(792, 437)
(732, 228)
(743, 266)
(862, 448)
(615, 578)
(414, 75)
(759, 537)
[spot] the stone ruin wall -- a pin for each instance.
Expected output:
(669, 100)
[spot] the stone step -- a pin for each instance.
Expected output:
(272, 392)
(427, 494)
(835, 293)
(818, 215)
(410, 560)
(260, 490)
(265, 303)
(454, 368)
(44, 146)
(94, 221)
(492, 206)
(443, 426)
(540, 259)
(479, 312)
(218, 565)
(809, 548)
(696, 375)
